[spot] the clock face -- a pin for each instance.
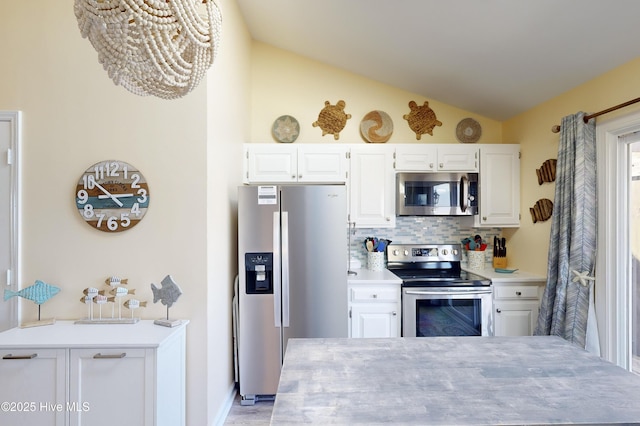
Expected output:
(112, 196)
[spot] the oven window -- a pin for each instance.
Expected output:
(447, 317)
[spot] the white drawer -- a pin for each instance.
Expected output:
(371, 294)
(516, 292)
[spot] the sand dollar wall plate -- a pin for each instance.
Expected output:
(376, 126)
(468, 130)
(285, 129)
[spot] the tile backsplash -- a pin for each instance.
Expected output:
(423, 230)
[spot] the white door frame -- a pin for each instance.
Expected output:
(12, 158)
(613, 270)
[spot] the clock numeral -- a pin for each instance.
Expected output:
(135, 209)
(124, 220)
(99, 171)
(100, 219)
(136, 179)
(142, 195)
(112, 169)
(112, 223)
(88, 212)
(89, 181)
(83, 196)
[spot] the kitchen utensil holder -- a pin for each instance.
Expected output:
(500, 262)
(375, 260)
(475, 259)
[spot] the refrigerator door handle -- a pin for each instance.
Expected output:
(277, 299)
(285, 269)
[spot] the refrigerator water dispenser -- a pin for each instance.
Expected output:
(259, 273)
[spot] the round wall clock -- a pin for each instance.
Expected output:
(112, 196)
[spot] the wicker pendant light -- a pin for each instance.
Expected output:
(152, 47)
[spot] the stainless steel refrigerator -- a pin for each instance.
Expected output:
(292, 255)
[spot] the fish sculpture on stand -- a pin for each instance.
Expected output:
(134, 304)
(115, 281)
(39, 293)
(167, 294)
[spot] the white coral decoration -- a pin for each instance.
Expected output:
(152, 47)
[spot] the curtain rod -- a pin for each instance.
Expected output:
(586, 118)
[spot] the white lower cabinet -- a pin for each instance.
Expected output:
(33, 386)
(516, 307)
(93, 375)
(374, 310)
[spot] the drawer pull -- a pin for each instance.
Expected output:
(498, 310)
(518, 293)
(101, 356)
(375, 296)
(9, 356)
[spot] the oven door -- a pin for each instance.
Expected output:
(446, 311)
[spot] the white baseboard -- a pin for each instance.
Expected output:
(226, 407)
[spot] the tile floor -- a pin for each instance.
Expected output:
(257, 414)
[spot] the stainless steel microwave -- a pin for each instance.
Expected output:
(436, 194)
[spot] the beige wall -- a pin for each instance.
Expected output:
(189, 151)
(288, 84)
(529, 244)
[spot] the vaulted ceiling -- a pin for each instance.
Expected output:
(495, 58)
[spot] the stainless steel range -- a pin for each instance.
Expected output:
(438, 297)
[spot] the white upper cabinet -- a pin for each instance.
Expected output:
(417, 158)
(437, 158)
(499, 186)
(372, 186)
(280, 163)
(458, 158)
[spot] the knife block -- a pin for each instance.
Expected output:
(500, 262)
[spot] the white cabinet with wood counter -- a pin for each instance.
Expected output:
(374, 304)
(104, 374)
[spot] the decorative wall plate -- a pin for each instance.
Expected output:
(376, 126)
(285, 129)
(468, 131)
(332, 119)
(421, 119)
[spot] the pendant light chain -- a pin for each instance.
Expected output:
(152, 47)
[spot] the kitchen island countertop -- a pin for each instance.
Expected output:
(451, 380)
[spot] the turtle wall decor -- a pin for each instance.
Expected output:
(332, 119)
(421, 119)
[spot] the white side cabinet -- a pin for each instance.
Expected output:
(374, 304)
(499, 186)
(516, 307)
(372, 193)
(286, 163)
(95, 374)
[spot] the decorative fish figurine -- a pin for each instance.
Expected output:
(134, 304)
(86, 299)
(92, 291)
(39, 292)
(115, 281)
(168, 293)
(119, 291)
(101, 299)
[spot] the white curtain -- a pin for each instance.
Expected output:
(567, 308)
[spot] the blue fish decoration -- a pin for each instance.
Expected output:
(39, 292)
(168, 293)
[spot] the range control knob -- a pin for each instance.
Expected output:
(445, 252)
(396, 252)
(454, 252)
(406, 253)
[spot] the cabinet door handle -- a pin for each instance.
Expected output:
(375, 296)
(394, 313)
(498, 310)
(101, 356)
(9, 356)
(518, 293)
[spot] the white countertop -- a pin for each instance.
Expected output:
(366, 276)
(66, 334)
(497, 277)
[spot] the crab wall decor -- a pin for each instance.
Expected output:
(332, 119)
(421, 119)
